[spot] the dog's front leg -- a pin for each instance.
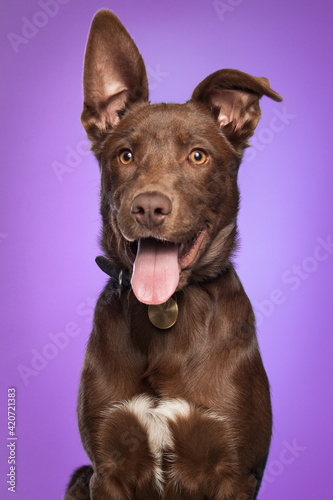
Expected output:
(110, 406)
(123, 464)
(205, 462)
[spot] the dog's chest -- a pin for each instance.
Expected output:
(157, 421)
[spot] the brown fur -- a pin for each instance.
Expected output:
(210, 358)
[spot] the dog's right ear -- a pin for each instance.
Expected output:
(114, 75)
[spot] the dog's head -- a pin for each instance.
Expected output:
(169, 196)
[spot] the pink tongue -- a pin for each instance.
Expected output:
(156, 272)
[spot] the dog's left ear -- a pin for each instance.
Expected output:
(233, 98)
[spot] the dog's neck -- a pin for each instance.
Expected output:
(163, 316)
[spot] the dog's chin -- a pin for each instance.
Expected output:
(158, 265)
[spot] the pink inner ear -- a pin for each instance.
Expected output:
(233, 107)
(116, 103)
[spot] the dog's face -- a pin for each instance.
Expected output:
(168, 175)
(169, 196)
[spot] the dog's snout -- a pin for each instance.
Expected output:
(150, 209)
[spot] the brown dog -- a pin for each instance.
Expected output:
(174, 401)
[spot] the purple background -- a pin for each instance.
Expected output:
(50, 224)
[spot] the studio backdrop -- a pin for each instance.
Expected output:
(50, 223)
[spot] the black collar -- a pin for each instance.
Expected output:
(120, 276)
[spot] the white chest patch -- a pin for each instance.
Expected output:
(155, 418)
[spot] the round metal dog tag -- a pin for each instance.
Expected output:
(165, 315)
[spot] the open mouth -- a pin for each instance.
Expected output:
(157, 266)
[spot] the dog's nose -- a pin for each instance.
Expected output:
(150, 209)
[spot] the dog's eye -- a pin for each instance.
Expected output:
(198, 157)
(126, 157)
